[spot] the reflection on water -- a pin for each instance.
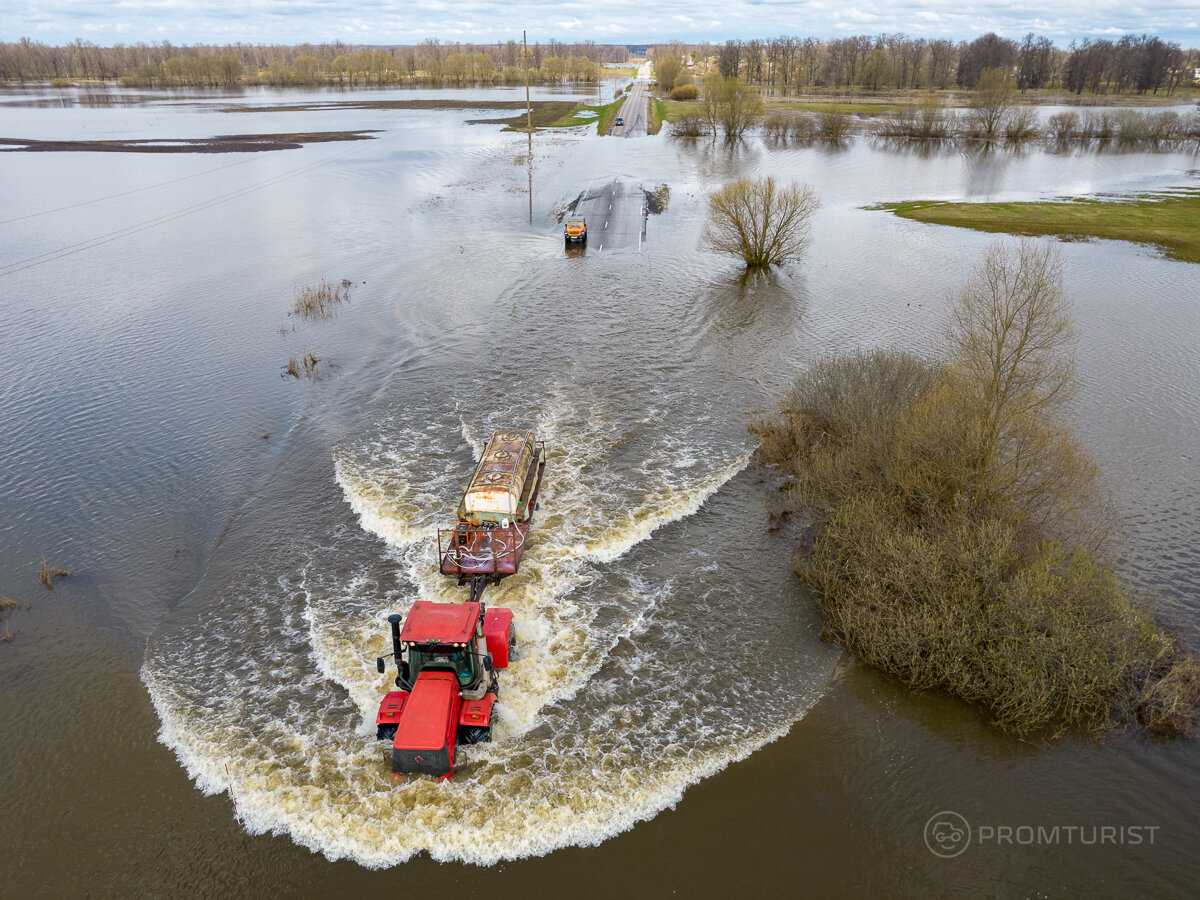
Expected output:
(663, 636)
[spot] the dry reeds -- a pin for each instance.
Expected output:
(48, 574)
(7, 604)
(307, 364)
(315, 303)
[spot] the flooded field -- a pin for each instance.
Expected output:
(235, 539)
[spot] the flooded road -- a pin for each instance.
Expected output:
(616, 215)
(236, 538)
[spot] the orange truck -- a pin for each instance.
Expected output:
(575, 229)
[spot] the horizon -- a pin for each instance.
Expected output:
(617, 22)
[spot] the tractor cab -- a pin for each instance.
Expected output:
(445, 658)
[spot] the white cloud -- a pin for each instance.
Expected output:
(625, 21)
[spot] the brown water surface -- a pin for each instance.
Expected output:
(235, 539)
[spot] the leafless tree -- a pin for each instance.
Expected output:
(993, 98)
(1011, 345)
(761, 222)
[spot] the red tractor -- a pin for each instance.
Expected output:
(447, 655)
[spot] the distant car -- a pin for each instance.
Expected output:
(620, 121)
(575, 230)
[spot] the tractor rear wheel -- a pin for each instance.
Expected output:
(385, 732)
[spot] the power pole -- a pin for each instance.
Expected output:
(528, 122)
(528, 112)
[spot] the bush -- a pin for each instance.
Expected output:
(777, 127)
(1020, 125)
(685, 92)
(832, 127)
(1063, 126)
(1045, 645)
(956, 522)
(689, 127)
(927, 121)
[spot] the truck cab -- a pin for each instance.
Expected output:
(575, 229)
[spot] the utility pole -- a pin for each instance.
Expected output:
(528, 122)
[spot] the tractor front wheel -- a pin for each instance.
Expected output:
(476, 734)
(385, 732)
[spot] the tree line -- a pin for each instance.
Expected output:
(1141, 63)
(431, 61)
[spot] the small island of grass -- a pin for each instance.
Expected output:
(1170, 221)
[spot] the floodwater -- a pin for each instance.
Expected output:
(236, 538)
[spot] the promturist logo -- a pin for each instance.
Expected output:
(947, 834)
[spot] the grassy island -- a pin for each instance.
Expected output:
(1170, 221)
(958, 530)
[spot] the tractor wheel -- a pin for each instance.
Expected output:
(476, 734)
(385, 732)
(512, 643)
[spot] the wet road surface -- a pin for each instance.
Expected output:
(635, 112)
(616, 215)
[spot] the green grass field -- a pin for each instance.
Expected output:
(658, 113)
(1170, 221)
(834, 106)
(605, 114)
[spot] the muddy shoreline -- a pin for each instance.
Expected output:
(225, 143)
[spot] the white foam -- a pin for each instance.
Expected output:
(584, 746)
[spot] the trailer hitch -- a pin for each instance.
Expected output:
(478, 583)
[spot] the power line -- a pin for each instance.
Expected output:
(79, 247)
(240, 162)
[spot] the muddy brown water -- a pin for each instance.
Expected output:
(236, 538)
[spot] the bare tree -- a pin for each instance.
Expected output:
(730, 103)
(993, 98)
(761, 222)
(1011, 346)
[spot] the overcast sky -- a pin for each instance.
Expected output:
(604, 21)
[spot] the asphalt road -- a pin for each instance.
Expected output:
(635, 111)
(616, 216)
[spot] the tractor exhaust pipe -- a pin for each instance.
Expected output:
(395, 619)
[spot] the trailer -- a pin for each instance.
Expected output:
(495, 513)
(447, 654)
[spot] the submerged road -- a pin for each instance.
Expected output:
(616, 216)
(635, 111)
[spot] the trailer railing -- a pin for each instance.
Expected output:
(476, 549)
